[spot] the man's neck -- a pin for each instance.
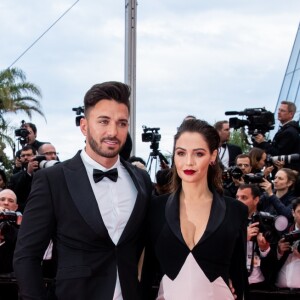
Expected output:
(286, 122)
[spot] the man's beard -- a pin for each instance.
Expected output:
(104, 153)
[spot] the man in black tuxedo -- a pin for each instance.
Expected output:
(227, 152)
(92, 206)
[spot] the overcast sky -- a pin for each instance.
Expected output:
(193, 57)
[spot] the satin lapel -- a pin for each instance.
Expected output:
(82, 194)
(217, 215)
(215, 220)
(172, 215)
(138, 214)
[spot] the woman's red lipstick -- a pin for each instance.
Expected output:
(189, 172)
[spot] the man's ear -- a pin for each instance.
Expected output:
(16, 207)
(83, 126)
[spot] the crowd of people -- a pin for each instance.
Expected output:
(217, 224)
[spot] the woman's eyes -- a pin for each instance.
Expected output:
(182, 153)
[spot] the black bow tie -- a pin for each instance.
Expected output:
(112, 174)
(223, 145)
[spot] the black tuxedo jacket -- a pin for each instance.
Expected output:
(62, 207)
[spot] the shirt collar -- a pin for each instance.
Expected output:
(282, 124)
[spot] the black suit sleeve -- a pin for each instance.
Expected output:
(238, 270)
(34, 236)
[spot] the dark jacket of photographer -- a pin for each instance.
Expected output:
(7, 249)
(286, 141)
(277, 206)
(20, 183)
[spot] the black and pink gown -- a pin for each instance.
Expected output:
(201, 273)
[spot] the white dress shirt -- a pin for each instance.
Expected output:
(115, 201)
(256, 275)
(224, 156)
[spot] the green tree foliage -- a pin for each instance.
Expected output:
(16, 95)
(240, 138)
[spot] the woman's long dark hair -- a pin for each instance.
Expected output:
(211, 136)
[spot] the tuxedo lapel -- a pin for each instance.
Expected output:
(82, 194)
(139, 210)
(172, 215)
(217, 215)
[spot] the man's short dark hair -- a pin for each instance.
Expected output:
(243, 155)
(32, 126)
(29, 147)
(133, 158)
(291, 106)
(111, 90)
(255, 191)
(295, 203)
(219, 125)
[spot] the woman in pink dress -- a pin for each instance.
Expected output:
(197, 236)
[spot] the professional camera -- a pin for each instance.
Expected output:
(22, 133)
(270, 160)
(259, 120)
(39, 158)
(232, 172)
(254, 178)
(153, 136)
(79, 114)
(47, 163)
(10, 217)
(44, 163)
(292, 237)
(270, 225)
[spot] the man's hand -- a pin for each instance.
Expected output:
(268, 170)
(283, 246)
(262, 242)
(279, 164)
(32, 166)
(18, 163)
(252, 230)
(238, 182)
(232, 289)
(296, 253)
(267, 186)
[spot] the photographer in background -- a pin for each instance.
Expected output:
(227, 152)
(27, 136)
(8, 237)
(20, 182)
(288, 256)
(278, 201)
(49, 151)
(258, 158)
(257, 246)
(243, 163)
(31, 137)
(287, 139)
